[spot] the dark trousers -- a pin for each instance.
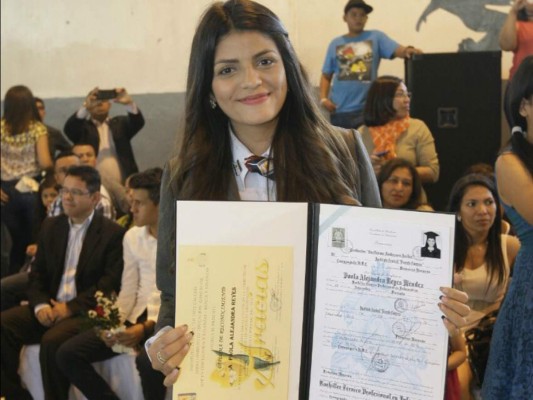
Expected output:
(18, 216)
(19, 327)
(13, 290)
(74, 359)
(76, 355)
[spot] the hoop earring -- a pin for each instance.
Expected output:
(212, 103)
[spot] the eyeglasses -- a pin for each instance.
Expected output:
(403, 94)
(394, 181)
(73, 192)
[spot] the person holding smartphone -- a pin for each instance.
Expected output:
(111, 136)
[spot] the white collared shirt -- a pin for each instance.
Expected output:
(138, 288)
(252, 186)
(76, 236)
(107, 159)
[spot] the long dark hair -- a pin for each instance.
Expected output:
(19, 109)
(307, 169)
(521, 15)
(493, 256)
(521, 89)
(379, 108)
(415, 200)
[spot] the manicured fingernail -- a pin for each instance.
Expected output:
(192, 333)
(185, 326)
(443, 317)
(441, 296)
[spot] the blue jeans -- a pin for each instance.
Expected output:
(348, 120)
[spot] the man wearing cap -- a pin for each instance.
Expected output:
(351, 64)
(430, 250)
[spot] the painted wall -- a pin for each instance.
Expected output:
(63, 48)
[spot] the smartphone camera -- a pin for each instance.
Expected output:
(106, 94)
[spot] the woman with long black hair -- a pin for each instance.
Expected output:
(253, 131)
(510, 367)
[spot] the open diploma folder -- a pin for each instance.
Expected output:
(308, 301)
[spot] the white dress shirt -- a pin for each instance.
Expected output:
(138, 289)
(252, 186)
(76, 236)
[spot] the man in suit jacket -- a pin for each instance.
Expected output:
(79, 253)
(111, 136)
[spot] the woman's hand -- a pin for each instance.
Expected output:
(453, 306)
(168, 351)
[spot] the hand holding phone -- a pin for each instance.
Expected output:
(106, 94)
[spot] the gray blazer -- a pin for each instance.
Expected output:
(367, 193)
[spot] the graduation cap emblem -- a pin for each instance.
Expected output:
(431, 235)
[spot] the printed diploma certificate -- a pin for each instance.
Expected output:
(311, 301)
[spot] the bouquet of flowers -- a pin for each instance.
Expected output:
(105, 315)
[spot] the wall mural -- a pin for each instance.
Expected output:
(476, 16)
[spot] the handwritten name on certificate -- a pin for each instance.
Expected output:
(237, 300)
(378, 330)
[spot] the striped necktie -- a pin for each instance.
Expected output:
(261, 165)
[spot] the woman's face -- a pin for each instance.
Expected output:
(397, 189)
(402, 101)
(48, 196)
(478, 210)
(249, 82)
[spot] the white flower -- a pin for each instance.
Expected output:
(92, 314)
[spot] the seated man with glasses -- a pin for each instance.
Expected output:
(79, 252)
(15, 287)
(63, 162)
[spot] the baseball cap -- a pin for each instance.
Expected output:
(357, 4)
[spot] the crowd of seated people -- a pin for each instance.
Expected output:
(482, 263)
(69, 226)
(79, 217)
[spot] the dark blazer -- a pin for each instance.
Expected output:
(99, 268)
(123, 128)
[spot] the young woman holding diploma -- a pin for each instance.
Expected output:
(254, 132)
